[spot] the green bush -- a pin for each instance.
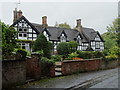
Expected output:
(65, 48)
(73, 55)
(90, 54)
(111, 57)
(45, 66)
(21, 53)
(41, 43)
(62, 48)
(98, 54)
(56, 58)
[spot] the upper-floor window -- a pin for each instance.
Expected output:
(79, 40)
(22, 29)
(62, 38)
(97, 45)
(22, 34)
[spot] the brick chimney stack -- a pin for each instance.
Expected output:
(16, 14)
(44, 21)
(79, 26)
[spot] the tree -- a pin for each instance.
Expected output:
(112, 37)
(65, 48)
(72, 46)
(9, 35)
(41, 44)
(63, 25)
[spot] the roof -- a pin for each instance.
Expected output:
(87, 34)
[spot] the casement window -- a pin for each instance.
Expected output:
(63, 38)
(84, 46)
(22, 34)
(20, 29)
(97, 45)
(25, 46)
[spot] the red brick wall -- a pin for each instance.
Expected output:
(33, 68)
(73, 66)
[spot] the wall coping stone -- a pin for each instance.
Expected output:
(81, 60)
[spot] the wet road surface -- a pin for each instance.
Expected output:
(94, 79)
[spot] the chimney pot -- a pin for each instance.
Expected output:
(44, 21)
(79, 26)
(17, 14)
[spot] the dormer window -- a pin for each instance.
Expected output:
(79, 40)
(63, 38)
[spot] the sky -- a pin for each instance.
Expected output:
(97, 15)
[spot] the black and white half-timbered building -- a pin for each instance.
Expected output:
(88, 38)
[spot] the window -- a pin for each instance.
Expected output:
(25, 35)
(63, 38)
(20, 30)
(23, 45)
(20, 35)
(97, 45)
(25, 30)
(79, 40)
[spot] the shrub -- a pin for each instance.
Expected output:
(45, 66)
(21, 53)
(73, 55)
(72, 46)
(98, 54)
(56, 58)
(62, 48)
(41, 43)
(65, 48)
(111, 57)
(90, 54)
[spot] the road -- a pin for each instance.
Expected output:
(96, 79)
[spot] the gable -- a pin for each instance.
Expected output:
(98, 37)
(21, 20)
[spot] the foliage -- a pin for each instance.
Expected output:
(8, 40)
(63, 25)
(110, 57)
(62, 48)
(45, 66)
(65, 48)
(56, 58)
(90, 54)
(114, 51)
(73, 55)
(46, 60)
(41, 43)
(112, 38)
(21, 53)
(72, 45)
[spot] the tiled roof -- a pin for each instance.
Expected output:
(87, 34)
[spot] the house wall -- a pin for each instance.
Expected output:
(13, 73)
(75, 66)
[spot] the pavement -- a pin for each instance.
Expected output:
(96, 79)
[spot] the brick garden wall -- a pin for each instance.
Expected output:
(13, 72)
(74, 66)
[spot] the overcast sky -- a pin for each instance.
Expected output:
(97, 15)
